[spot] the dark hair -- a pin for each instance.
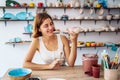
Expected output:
(39, 19)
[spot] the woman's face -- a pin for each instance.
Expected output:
(47, 27)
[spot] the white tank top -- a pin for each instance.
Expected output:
(49, 56)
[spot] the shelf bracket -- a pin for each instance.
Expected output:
(30, 35)
(109, 21)
(26, 10)
(84, 33)
(80, 22)
(5, 23)
(64, 22)
(64, 9)
(80, 48)
(116, 32)
(3, 10)
(109, 11)
(13, 45)
(99, 33)
(119, 11)
(27, 21)
(44, 9)
(95, 11)
(95, 22)
(95, 47)
(117, 21)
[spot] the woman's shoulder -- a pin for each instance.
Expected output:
(35, 40)
(63, 38)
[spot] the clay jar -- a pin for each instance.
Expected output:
(88, 60)
(96, 71)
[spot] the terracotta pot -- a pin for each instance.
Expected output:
(88, 60)
(96, 71)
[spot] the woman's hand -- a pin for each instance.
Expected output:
(55, 64)
(73, 36)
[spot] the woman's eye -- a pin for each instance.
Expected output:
(51, 23)
(45, 26)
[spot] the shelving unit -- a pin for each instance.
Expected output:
(4, 10)
(65, 8)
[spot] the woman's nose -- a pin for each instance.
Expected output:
(50, 27)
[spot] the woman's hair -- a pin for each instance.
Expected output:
(38, 21)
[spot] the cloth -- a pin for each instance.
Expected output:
(49, 56)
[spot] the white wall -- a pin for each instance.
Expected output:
(11, 57)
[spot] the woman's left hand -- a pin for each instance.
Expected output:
(73, 36)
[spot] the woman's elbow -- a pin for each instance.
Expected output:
(24, 65)
(71, 65)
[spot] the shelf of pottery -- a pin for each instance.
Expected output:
(95, 13)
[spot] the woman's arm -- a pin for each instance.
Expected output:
(30, 54)
(70, 53)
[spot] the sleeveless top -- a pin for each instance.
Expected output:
(49, 56)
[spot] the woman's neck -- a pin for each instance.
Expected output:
(48, 38)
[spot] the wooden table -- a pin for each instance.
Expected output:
(68, 73)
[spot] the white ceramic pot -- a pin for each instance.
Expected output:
(109, 17)
(74, 29)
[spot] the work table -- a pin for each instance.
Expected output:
(65, 72)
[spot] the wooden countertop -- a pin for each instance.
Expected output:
(65, 72)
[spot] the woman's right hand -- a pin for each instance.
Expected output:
(55, 64)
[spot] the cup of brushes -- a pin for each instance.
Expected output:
(111, 71)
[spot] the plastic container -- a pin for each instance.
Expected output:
(88, 60)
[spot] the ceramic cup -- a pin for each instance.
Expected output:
(96, 71)
(40, 4)
(111, 74)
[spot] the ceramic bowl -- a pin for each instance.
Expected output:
(73, 29)
(19, 73)
(109, 17)
(100, 17)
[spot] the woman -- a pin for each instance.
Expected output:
(53, 48)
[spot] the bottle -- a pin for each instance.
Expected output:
(45, 3)
(103, 64)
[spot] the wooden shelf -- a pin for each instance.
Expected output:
(9, 7)
(85, 19)
(5, 20)
(77, 8)
(14, 20)
(21, 42)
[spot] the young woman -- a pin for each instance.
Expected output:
(53, 48)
